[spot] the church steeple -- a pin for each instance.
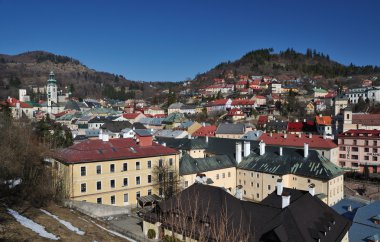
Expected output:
(52, 91)
(52, 78)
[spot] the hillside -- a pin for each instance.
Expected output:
(32, 69)
(288, 64)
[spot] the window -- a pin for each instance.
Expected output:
(223, 175)
(269, 187)
(83, 187)
(149, 178)
(308, 180)
(137, 194)
(137, 180)
(125, 197)
(99, 185)
(186, 183)
(149, 164)
(354, 157)
(354, 149)
(257, 185)
(323, 153)
(170, 161)
(355, 164)
(245, 193)
(160, 191)
(374, 143)
(137, 165)
(98, 169)
(112, 168)
(343, 156)
(374, 150)
(217, 176)
(125, 182)
(366, 157)
(125, 166)
(366, 149)
(229, 174)
(113, 199)
(374, 158)
(160, 163)
(257, 195)
(251, 184)
(257, 175)
(342, 148)
(149, 192)
(366, 142)
(99, 200)
(251, 174)
(355, 142)
(83, 171)
(112, 183)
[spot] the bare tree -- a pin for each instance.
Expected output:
(166, 180)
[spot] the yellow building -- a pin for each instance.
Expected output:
(259, 172)
(113, 172)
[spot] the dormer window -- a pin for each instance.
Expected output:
(376, 219)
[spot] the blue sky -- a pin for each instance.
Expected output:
(174, 40)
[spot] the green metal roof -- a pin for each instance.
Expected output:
(189, 165)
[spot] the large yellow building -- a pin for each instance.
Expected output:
(112, 172)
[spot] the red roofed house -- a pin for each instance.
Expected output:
(112, 171)
(260, 100)
(243, 103)
(295, 127)
(323, 124)
(219, 105)
(20, 108)
(206, 131)
(131, 117)
(262, 121)
(235, 114)
(324, 146)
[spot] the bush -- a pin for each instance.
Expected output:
(151, 234)
(168, 238)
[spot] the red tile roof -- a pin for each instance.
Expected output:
(295, 126)
(57, 115)
(206, 131)
(114, 149)
(219, 102)
(361, 132)
(131, 115)
(235, 112)
(324, 120)
(12, 103)
(292, 140)
(366, 119)
(243, 102)
(263, 119)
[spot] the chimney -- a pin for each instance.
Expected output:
(320, 115)
(280, 151)
(206, 139)
(203, 124)
(304, 120)
(238, 152)
(285, 200)
(280, 187)
(189, 136)
(349, 208)
(262, 147)
(105, 137)
(299, 135)
(163, 144)
(324, 135)
(312, 189)
(270, 134)
(247, 148)
(296, 120)
(310, 135)
(101, 136)
(305, 150)
(285, 136)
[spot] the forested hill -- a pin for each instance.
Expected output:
(32, 69)
(288, 63)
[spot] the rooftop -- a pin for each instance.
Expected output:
(293, 140)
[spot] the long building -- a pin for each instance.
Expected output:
(112, 171)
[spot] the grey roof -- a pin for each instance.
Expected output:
(186, 106)
(169, 133)
(307, 218)
(252, 135)
(72, 105)
(98, 119)
(116, 126)
(230, 129)
(291, 162)
(174, 118)
(143, 132)
(277, 125)
(92, 132)
(151, 121)
(189, 165)
(184, 143)
(175, 106)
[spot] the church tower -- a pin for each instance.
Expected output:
(51, 90)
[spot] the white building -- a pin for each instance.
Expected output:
(372, 93)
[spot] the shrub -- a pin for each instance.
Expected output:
(151, 234)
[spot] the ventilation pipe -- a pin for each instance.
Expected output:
(280, 187)
(189, 136)
(285, 200)
(310, 135)
(285, 136)
(262, 147)
(247, 148)
(206, 139)
(105, 137)
(280, 151)
(238, 152)
(312, 189)
(305, 150)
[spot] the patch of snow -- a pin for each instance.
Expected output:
(13, 182)
(115, 233)
(39, 229)
(63, 222)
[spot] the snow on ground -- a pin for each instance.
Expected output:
(39, 229)
(65, 223)
(114, 232)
